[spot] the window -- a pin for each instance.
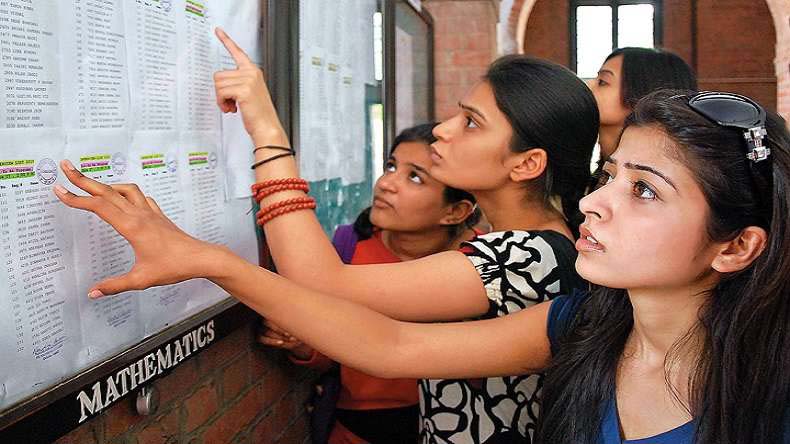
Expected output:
(599, 26)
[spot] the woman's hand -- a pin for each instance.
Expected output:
(164, 253)
(244, 89)
(273, 335)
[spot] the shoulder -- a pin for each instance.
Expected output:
(520, 249)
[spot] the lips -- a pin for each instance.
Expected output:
(435, 156)
(381, 203)
(588, 242)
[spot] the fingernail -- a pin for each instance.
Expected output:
(280, 342)
(59, 189)
(69, 165)
(95, 294)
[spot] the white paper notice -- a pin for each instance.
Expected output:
(111, 323)
(37, 311)
(404, 83)
(96, 90)
(157, 168)
(153, 44)
(196, 66)
(239, 18)
(30, 72)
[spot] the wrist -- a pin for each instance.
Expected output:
(270, 136)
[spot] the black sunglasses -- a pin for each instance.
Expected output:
(735, 111)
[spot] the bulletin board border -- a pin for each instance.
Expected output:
(39, 419)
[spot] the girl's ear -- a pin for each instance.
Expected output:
(528, 165)
(457, 212)
(740, 252)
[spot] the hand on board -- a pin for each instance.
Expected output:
(244, 89)
(164, 254)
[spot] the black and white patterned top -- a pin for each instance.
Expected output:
(518, 269)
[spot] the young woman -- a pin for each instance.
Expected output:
(685, 340)
(627, 75)
(521, 145)
(412, 216)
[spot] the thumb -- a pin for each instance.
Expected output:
(114, 285)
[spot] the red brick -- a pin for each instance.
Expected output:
(261, 362)
(273, 386)
(226, 350)
(295, 433)
(179, 382)
(262, 432)
(235, 418)
(87, 433)
(200, 407)
(121, 417)
(235, 378)
(163, 430)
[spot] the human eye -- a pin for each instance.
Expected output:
(602, 82)
(389, 167)
(643, 191)
(602, 178)
(470, 123)
(414, 177)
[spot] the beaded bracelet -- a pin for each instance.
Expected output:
(283, 203)
(260, 195)
(285, 210)
(273, 182)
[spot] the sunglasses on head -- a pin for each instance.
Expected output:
(735, 111)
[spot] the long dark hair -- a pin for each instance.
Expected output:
(649, 69)
(421, 134)
(549, 107)
(739, 388)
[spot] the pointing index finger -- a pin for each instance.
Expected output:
(238, 54)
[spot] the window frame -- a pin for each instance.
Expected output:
(614, 4)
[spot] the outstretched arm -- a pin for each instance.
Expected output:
(345, 331)
(443, 287)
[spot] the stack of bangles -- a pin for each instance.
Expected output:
(263, 189)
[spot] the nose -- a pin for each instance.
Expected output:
(387, 183)
(445, 130)
(594, 205)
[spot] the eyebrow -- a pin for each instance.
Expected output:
(606, 71)
(640, 167)
(413, 165)
(419, 168)
(472, 109)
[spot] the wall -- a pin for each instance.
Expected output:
(780, 10)
(233, 392)
(735, 48)
(464, 45)
(731, 43)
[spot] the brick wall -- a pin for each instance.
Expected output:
(464, 46)
(735, 48)
(735, 41)
(233, 392)
(780, 9)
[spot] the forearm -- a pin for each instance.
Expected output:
(380, 346)
(295, 239)
(346, 332)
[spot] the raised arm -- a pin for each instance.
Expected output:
(345, 331)
(444, 287)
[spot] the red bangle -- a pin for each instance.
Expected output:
(269, 183)
(285, 210)
(261, 194)
(283, 203)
